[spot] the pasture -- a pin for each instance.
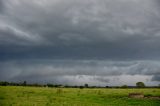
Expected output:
(41, 96)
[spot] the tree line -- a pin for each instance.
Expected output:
(24, 83)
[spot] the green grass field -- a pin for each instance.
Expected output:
(39, 96)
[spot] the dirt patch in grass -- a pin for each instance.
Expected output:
(141, 95)
(136, 95)
(153, 97)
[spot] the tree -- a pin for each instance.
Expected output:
(4, 83)
(140, 84)
(81, 87)
(124, 86)
(158, 85)
(107, 86)
(50, 85)
(24, 83)
(86, 85)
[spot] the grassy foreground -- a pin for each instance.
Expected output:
(39, 96)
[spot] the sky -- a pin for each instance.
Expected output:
(73, 42)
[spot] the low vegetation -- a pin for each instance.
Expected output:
(46, 96)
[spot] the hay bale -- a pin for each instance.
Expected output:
(136, 95)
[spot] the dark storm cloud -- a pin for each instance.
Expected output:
(156, 78)
(92, 30)
(1, 6)
(82, 29)
(57, 70)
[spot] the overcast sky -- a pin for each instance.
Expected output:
(99, 42)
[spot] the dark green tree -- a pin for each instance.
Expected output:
(81, 87)
(4, 83)
(140, 84)
(124, 86)
(86, 85)
(24, 83)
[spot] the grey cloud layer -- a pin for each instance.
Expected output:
(82, 20)
(104, 28)
(156, 78)
(31, 70)
(78, 30)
